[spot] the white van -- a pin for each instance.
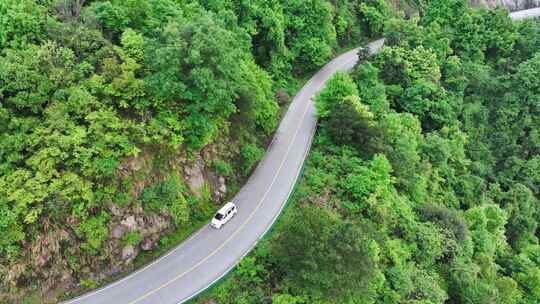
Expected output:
(224, 215)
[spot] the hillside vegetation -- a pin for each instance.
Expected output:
(122, 121)
(423, 182)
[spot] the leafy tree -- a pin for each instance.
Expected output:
(337, 89)
(168, 197)
(94, 230)
(310, 33)
(201, 55)
(323, 255)
(21, 23)
(250, 154)
(351, 122)
(370, 89)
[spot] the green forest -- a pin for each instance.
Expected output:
(108, 107)
(422, 185)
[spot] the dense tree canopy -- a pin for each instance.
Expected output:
(422, 185)
(106, 106)
(430, 150)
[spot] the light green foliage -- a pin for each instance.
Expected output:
(133, 44)
(222, 167)
(12, 231)
(367, 182)
(94, 231)
(310, 32)
(89, 283)
(370, 89)
(443, 195)
(374, 13)
(196, 62)
(250, 154)
(168, 197)
(256, 103)
(132, 238)
(486, 224)
(445, 116)
(287, 299)
(338, 87)
(21, 22)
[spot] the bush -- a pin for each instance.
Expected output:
(341, 85)
(89, 284)
(94, 230)
(351, 123)
(222, 168)
(250, 154)
(167, 197)
(132, 238)
(446, 219)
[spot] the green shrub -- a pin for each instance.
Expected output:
(94, 230)
(222, 168)
(89, 284)
(201, 207)
(250, 154)
(167, 197)
(132, 238)
(122, 199)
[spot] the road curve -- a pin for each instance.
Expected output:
(209, 254)
(524, 14)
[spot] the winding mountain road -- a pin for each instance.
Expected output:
(524, 14)
(209, 254)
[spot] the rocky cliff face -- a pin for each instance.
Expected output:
(512, 5)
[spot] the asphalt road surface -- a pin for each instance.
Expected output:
(530, 13)
(209, 253)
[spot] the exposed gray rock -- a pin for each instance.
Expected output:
(149, 242)
(138, 210)
(114, 270)
(129, 253)
(222, 185)
(140, 222)
(153, 224)
(115, 210)
(282, 97)
(195, 176)
(118, 231)
(223, 188)
(130, 223)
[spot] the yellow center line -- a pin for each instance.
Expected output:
(259, 204)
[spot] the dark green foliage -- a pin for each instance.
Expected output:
(330, 258)
(250, 154)
(168, 197)
(352, 124)
(132, 238)
(428, 154)
(447, 219)
(422, 186)
(346, 119)
(195, 73)
(22, 22)
(98, 99)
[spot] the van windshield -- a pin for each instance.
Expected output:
(218, 216)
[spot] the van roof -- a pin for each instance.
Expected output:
(226, 207)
